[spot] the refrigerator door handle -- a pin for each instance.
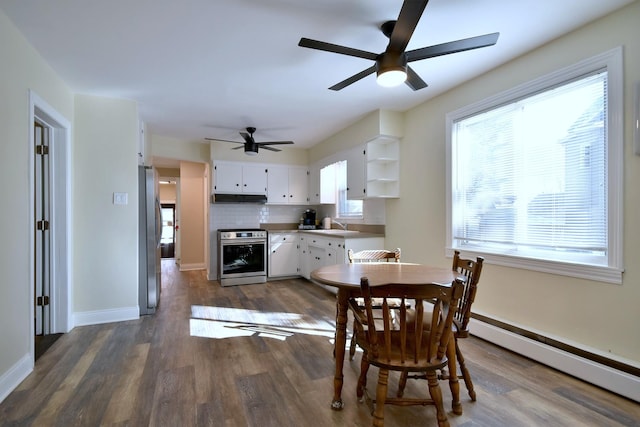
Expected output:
(158, 223)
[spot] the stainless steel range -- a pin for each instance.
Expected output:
(242, 256)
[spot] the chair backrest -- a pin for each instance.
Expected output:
(374, 255)
(471, 270)
(402, 342)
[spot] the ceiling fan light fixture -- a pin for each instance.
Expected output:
(391, 69)
(251, 149)
(391, 77)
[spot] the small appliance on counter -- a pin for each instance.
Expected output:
(309, 217)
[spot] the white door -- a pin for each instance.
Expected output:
(42, 282)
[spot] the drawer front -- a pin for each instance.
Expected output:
(283, 237)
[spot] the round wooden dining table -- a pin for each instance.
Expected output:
(346, 278)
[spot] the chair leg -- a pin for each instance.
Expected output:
(352, 347)
(465, 373)
(362, 379)
(402, 383)
(381, 396)
(454, 385)
(436, 396)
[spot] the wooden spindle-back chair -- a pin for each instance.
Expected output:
(394, 343)
(470, 270)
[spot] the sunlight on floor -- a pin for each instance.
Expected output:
(225, 322)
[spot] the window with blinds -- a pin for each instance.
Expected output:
(530, 176)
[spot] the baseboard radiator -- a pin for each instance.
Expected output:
(618, 376)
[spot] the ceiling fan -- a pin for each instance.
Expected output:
(391, 65)
(250, 145)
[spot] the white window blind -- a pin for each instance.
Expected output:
(531, 176)
(535, 174)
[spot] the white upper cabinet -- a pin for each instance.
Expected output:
(278, 185)
(288, 185)
(373, 169)
(237, 177)
(299, 185)
(314, 184)
(356, 172)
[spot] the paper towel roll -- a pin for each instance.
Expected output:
(326, 223)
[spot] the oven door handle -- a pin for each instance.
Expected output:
(243, 241)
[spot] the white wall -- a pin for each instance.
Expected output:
(178, 149)
(378, 122)
(21, 69)
(105, 261)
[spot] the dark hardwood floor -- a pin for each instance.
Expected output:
(261, 355)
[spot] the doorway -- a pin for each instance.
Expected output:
(50, 304)
(168, 237)
(41, 284)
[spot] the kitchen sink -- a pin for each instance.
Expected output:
(333, 231)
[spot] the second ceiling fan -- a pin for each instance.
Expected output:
(391, 66)
(250, 145)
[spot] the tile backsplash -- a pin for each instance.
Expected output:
(251, 216)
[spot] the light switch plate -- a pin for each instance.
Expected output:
(120, 198)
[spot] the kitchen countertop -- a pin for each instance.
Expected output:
(332, 233)
(335, 232)
(353, 231)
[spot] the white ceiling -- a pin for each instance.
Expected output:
(210, 68)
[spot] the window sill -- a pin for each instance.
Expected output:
(581, 271)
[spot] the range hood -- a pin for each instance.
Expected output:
(239, 198)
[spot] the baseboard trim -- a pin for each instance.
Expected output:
(85, 318)
(11, 379)
(195, 266)
(603, 375)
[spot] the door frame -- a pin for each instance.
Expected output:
(61, 215)
(168, 206)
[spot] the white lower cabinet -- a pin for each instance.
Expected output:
(324, 251)
(298, 254)
(319, 251)
(283, 255)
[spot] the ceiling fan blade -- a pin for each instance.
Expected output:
(247, 137)
(453, 47)
(274, 142)
(223, 140)
(410, 14)
(266, 147)
(414, 81)
(238, 147)
(354, 78)
(330, 47)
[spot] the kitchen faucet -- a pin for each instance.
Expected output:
(343, 226)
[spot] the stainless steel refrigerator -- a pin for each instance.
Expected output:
(150, 226)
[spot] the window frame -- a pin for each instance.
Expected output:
(612, 272)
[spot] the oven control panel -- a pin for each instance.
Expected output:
(253, 234)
